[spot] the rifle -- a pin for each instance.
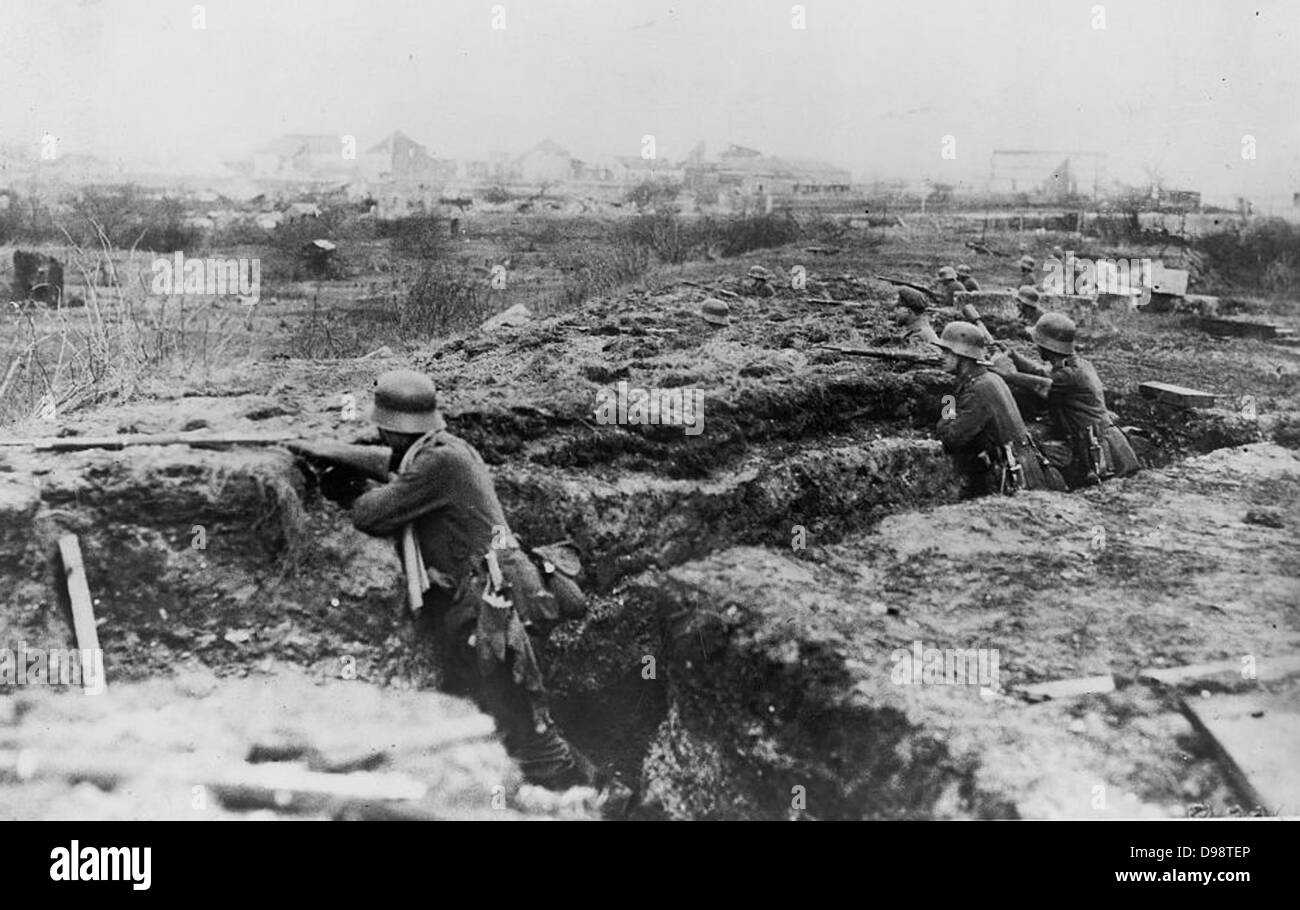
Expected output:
(899, 282)
(195, 439)
(885, 354)
(368, 460)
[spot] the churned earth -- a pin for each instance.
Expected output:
(753, 585)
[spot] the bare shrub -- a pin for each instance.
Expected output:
(442, 299)
(1265, 254)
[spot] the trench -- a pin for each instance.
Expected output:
(279, 561)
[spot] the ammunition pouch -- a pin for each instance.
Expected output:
(561, 571)
(541, 585)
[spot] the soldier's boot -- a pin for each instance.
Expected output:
(549, 760)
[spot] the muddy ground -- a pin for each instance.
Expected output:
(751, 584)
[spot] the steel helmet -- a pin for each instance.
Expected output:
(1028, 295)
(1027, 262)
(405, 402)
(715, 311)
(1055, 332)
(946, 273)
(963, 271)
(913, 299)
(963, 339)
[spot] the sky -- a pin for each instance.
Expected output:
(1174, 88)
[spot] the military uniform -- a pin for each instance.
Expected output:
(948, 289)
(970, 283)
(919, 332)
(986, 420)
(1090, 446)
(479, 601)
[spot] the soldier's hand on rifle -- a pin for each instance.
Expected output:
(322, 450)
(1002, 365)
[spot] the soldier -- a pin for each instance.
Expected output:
(1027, 276)
(479, 599)
(949, 285)
(1090, 448)
(909, 314)
(967, 280)
(984, 431)
(1030, 303)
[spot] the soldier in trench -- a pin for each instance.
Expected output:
(982, 429)
(1082, 442)
(909, 315)
(482, 584)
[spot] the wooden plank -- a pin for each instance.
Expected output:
(83, 610)
(1256, 739)
(1169, 281)
(1068, 688)
(1237, 328)
(1176, 394)
(1266, 670)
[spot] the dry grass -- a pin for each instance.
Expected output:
(59, 359)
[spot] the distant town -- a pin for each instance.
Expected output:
(295, 175)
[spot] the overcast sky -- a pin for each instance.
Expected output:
(1172, 85)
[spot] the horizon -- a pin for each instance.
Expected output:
(1166, 91)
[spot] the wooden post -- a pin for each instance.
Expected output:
(83, 611)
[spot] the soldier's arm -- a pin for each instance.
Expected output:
(423, 487)
(959, 431)
(1039, 385)
(1025, 365)
(1068, 382)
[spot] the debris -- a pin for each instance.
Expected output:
(238, 636)
(292, 789)
(1176, 395)
(267, 411)
(1170, 282)
(83, 611)
(1267, 518)
(1265, 669)
(513, 317)
(1256, 739)
(1068, 688)
(37, 277)
(1240, 328)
